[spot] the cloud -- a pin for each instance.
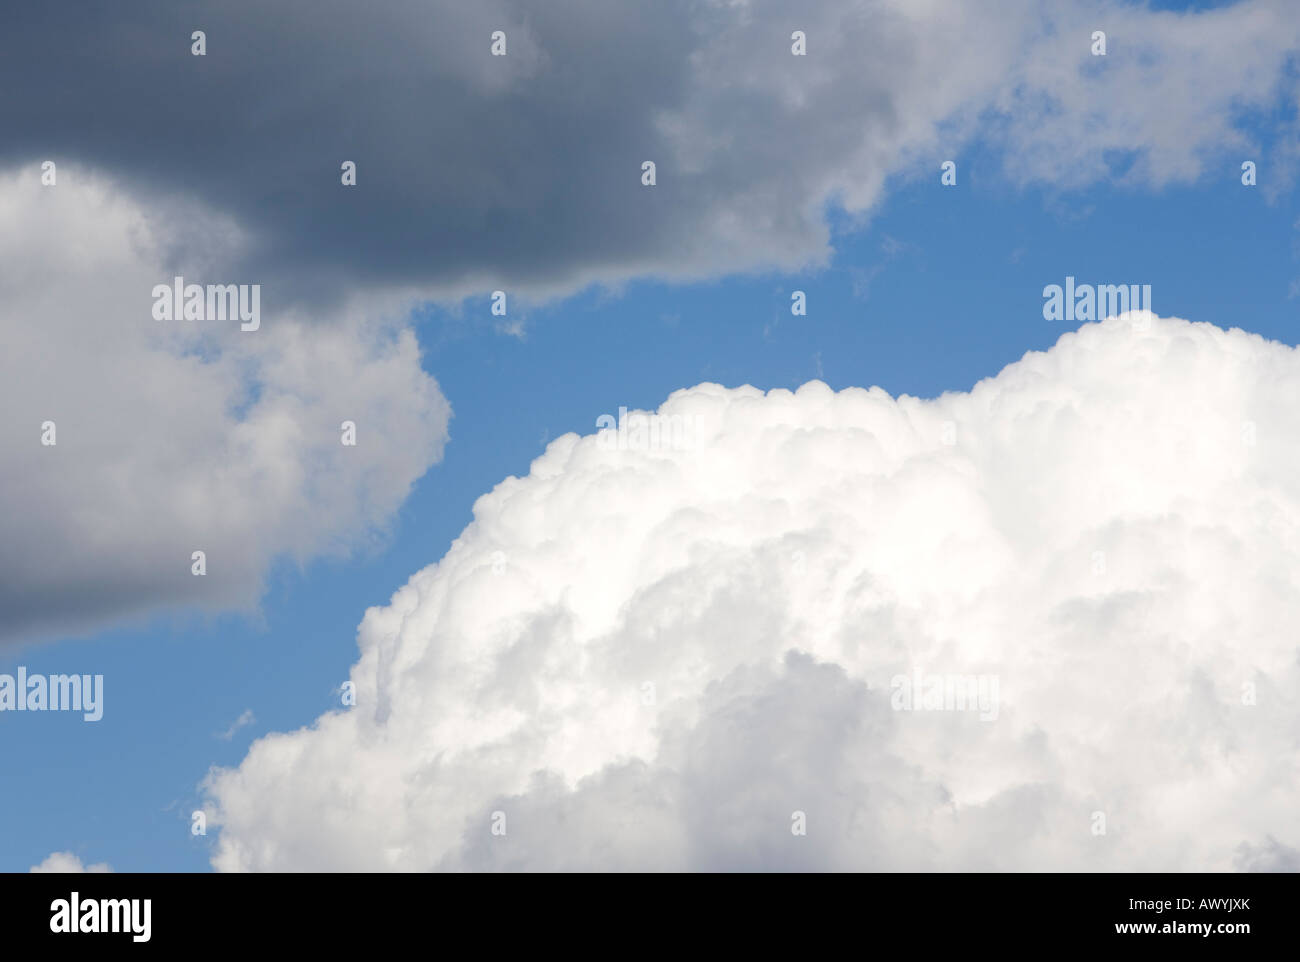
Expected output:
(523, 172)
(67, 863)
(181, 436)
(1271, 856)
(246, 718)
(657, 654)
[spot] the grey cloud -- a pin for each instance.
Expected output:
(1269, 856)
(523, 171)
(472, 169)
(176, 438)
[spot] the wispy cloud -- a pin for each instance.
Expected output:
(247, 718)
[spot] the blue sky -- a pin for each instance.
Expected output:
(956, 276)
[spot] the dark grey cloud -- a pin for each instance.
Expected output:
(523, 171)
(473, 169)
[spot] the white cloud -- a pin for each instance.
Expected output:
(1112, 534)
(1068, 117)
(889, 90)
(66, 862)
(179, 436)
(246, 718)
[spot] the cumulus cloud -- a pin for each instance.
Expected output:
(68, 863)
(179, 436)
(523, 171)
(665, 654)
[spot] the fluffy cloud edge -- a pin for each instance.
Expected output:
(68, 863)
(135, 442)
(1054, 538)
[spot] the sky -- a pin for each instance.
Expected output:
(523, 173)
